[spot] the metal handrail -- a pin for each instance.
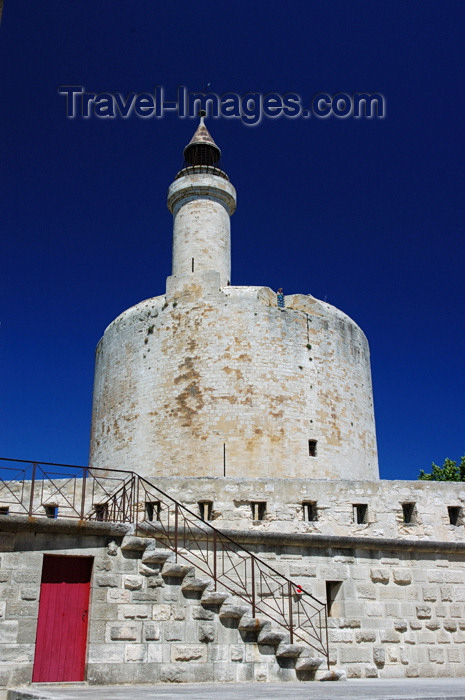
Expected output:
(118, 495)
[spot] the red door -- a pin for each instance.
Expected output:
(62, 625)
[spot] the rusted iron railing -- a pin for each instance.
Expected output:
(122, 496)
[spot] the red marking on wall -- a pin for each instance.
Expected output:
(62, 625)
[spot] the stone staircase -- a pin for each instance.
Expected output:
(192, 621)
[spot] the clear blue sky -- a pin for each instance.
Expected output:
(366, 214)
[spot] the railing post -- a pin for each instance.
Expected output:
(214, 558)
(135, 492)
(291, 622)
(176, 531)
(83, 493)
(253, 585)
(33, 483)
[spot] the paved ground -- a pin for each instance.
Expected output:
(395, 689)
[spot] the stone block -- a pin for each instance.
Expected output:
(404, 655)
(338, 635)
(403, 577)
(366, 591)
(432, 625)
(436, 655)
(389, 637)
(355, 655)
(174, 631)
(218, 653)
(450, 625)
(127, 633)
(443, 637)
(135, 653)
(26, 576)
(456, 610)
(371, 672)
(107, 581)
(105, 611)
(365, 636)
(302, 570)
(155, 653)
(454, 576)
(16, 653)
(149, 595)
(430, 593)
(29, 593)
(206, 632)
(380, 575)
(400, 625)
(423, 612)
(2, 609)
(161, 612)
(134, 612)
(352, 672)
(412, 671)
(426, 638)
(352, 623)
(379, 656)
(8, 631)
(27, 630)
(188, 652)
(435, 576)
(237, 652)
(132, 583)
(453, 655)
(118, 595)
(225, 673)
(447, 593)
(151, 631)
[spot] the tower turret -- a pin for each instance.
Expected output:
(202, 199)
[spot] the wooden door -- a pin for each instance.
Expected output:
(60, 653)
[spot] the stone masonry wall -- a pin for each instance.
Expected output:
(394, 612)
(206, 381)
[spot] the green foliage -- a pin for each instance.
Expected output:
(450, 471)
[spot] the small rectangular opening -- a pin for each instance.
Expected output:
(455, 515)
(258, 510)
(333, 598)
(408, 513)
(152, 510)
(206, 510)
(4, 510)
(51, 511)
(312, 448)
(101, 511)
(360, 513)
(310, 511)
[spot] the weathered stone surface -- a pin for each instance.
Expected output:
(124, 632)
(188, 652)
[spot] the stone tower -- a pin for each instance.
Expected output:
(216, 380)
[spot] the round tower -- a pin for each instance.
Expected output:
(216, 380)
(201, 200)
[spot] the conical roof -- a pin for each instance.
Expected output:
(201, 149)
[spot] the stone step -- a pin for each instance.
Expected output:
(271, 635)
(157, 556)
(135, 543)
(251, 624)
(176, 570)
(212, 597)
(232, 610)
(309, 663)
(289, 650)
(195, 584)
